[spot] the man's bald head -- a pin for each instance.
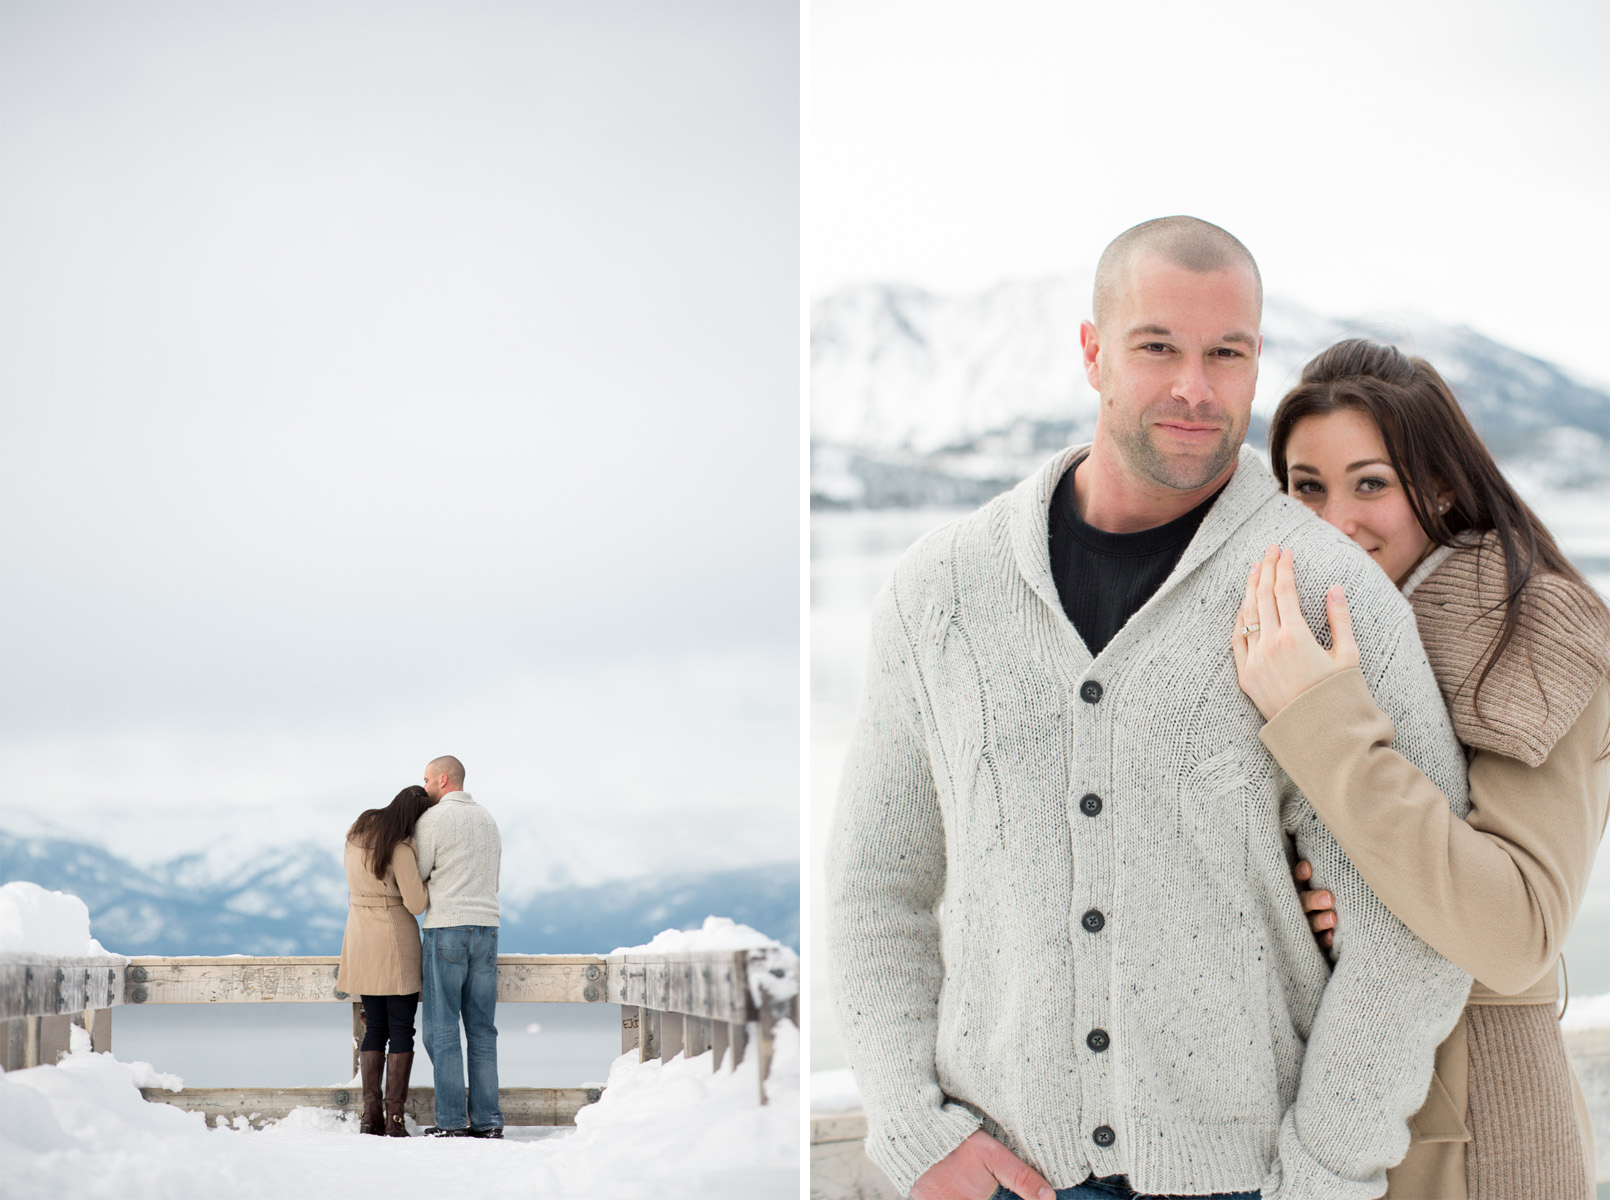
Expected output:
(1186, 242)
(443, 775)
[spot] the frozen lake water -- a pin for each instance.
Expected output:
(309, 1045)
(852, 554)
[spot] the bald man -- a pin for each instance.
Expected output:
(460, 854)
(1066, 951)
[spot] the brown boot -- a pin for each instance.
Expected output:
(370, 1064)
(398, 1067)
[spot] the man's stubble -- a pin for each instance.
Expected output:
(1181, 472)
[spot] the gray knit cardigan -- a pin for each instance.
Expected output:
(460, 856)
(1059, 890)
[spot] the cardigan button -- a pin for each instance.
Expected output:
(1090, 691)
(1093, 921)
(1098, 1040)
(1090, 804)
(1103, 1136)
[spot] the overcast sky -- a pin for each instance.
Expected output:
(1377, 157)
(385, 380)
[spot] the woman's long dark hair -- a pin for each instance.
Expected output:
(380, 829)
(1436, 453)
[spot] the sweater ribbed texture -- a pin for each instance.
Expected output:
(966, 856)
(1524, 1139)
(460, 854)
(1546, 676)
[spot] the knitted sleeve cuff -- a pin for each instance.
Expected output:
(905, 1145)
(1298, 1175)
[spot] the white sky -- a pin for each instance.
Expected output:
(362, 362)
(1451, 158)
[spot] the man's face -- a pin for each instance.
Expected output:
(433, 785)
(1175, 362)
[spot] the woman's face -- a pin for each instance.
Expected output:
(1337, 465)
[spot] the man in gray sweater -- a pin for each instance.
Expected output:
(459, 857)
(1066, 949)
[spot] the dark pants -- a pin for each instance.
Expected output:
(1116, 1187)
(389, 1018)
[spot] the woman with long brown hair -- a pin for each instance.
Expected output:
(380, 959)
(1374, 442)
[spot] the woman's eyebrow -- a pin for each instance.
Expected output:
(1353, 466)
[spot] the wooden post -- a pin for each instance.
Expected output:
(670, 1035)
(30, 1042)
(99, 1023)
(629, 1030)
(359, 1028)
(55, 1038)
(740, 1041)
(765, 1044)
(720, 1038)
(648, 1043)
(15, 1049)
(695, 1036)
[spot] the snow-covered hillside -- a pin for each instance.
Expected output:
(292, 899)
(918, 398)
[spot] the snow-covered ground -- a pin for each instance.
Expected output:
(661, 1131)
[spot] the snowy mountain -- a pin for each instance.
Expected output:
(918, 398)
(293, 900)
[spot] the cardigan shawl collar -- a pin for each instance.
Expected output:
(1249, 485)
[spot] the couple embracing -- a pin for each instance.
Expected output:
(432, 850)
(1101, 735)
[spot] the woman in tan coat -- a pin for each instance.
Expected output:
(380, 952)
(1375, 443)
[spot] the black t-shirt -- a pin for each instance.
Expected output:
(1104, 578)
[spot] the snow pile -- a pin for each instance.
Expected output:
(34, 921)
(782, 1081)
(672, 1131)
(773, 976)
(835, 1091)
(717, 933)
(774, 973)
(678, 1130)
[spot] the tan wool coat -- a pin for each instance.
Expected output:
(1495, 893)
(380, 951)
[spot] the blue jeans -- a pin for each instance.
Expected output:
(461, 978)
(1116, 1187)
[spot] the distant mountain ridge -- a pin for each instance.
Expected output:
(293, 900)
(918, 398)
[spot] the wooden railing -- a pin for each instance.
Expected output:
(705, 1000)
(669, 1004)
(42, 998)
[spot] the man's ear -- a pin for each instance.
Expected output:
(1090, 344)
